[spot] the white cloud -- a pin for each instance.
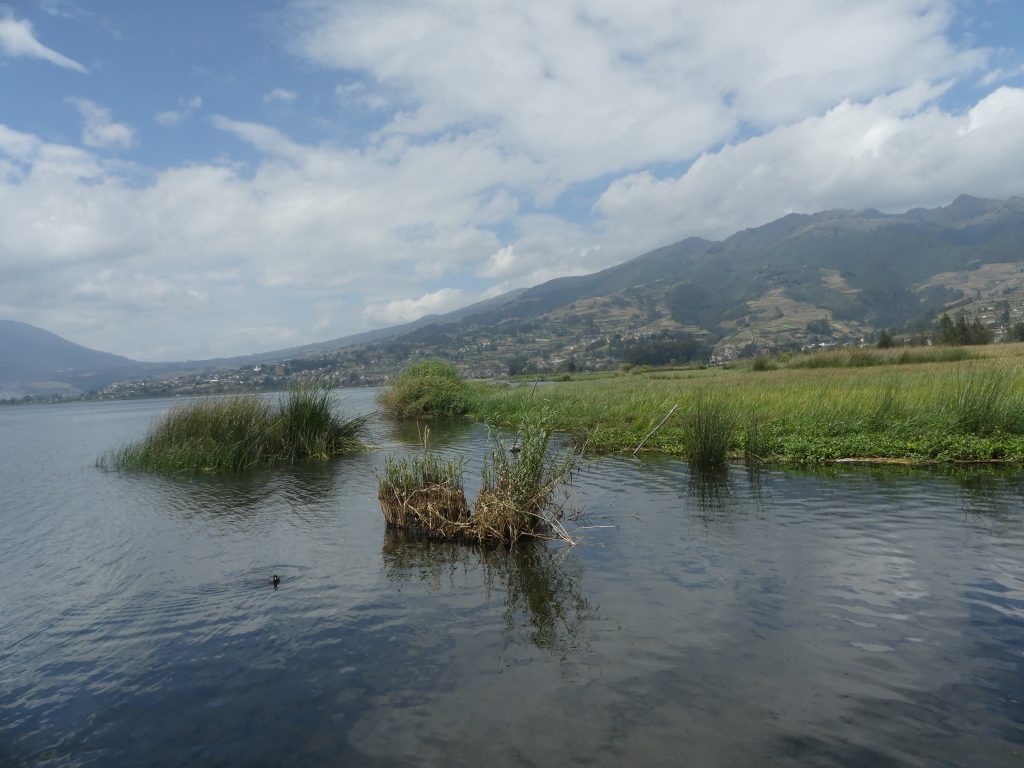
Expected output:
(358, 93)
(18, 39)
(545, 247)
(1000, 75)
(503, 122)
(407, 310)
(186, 107)
(100, 129)
(587, 89)
(879, 155)
(235, 250)
(17, 144)
(309, 223)
(137, 292)
(62, 8)
(280, 94)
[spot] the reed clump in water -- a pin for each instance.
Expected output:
(520, 481)
(426, 390)
(710, 423)
(424, 493)
(516, 500)
(234, 434)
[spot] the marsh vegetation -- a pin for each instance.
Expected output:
(916, 411)
(237, 433)
(866, 357)
(520, 481)
(424, 390)
(424, 492)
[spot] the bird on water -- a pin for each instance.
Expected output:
(275, 580)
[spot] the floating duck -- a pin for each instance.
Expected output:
(275, 580)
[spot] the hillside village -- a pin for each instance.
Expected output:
(492, 357)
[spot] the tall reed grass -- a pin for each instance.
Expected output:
(237, 433)
(710, 424)
(923, 412)
(863, 357)
(520, 481)
(988, 401)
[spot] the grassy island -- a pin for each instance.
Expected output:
(233, 434)
(925, 406)
(426, 390)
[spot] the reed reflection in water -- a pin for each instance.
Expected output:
(542, 585)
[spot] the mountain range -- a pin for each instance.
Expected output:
(835, 275)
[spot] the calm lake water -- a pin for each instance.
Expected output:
(855, 617)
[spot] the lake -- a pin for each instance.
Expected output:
(854, 617)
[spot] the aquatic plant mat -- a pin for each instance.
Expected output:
(925, 412)
(518, 496)
(232, 434)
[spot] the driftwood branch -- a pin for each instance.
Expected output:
(648, 435)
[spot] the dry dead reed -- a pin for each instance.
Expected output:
(424, 492)
(517, 499)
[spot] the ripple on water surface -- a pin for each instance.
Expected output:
(857, 617)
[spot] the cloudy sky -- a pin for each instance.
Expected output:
(191, 179)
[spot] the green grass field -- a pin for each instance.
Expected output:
(966, 407)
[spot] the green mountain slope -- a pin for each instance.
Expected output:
(835, 275)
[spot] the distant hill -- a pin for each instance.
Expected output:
(829, 277)
(867, 267)
(355, 340)
(37, 362)
(35, 358)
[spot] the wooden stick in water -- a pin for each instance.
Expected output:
(655, 429)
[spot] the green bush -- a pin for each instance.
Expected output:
(426, 390)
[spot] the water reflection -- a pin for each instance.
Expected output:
(443, 432)
(544, 600)
(712, 490)
(991, 494)
(986, 491)
(303, 488)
